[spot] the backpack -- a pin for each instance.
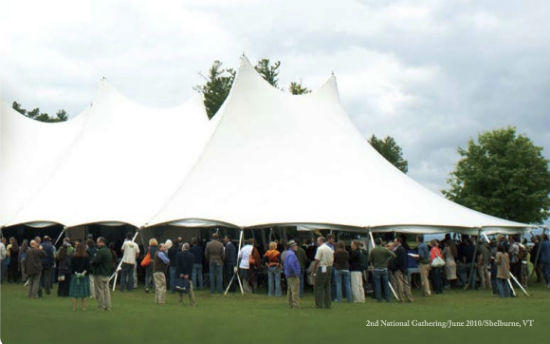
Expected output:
(364, 260)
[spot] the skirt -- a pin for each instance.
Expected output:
(80, 287)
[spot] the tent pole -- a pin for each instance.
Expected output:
(389, 283)
(511, 287)
(118, 268)
(60, 234)
(236, 269)
(473, 264)
(519, 284)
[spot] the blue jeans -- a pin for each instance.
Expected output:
(274, 281)
(149, 277)
(302, 277)
(172, 273)
(196, 276)
(546, 272)
(127, 277)
(436, 280)
(216, 277)
(343, 276)
(503, 288)
(381, 281)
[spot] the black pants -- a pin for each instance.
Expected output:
(64, 286)
(46, 279)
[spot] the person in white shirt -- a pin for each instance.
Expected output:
(3, 259)
(130, 251)
(244, 264)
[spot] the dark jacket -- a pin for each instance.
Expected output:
(33, 261)
(302, 259)
(103, 262)
(48, 259)
(355, 260)
(184, 263)
(400, 261)
(198, 253)
(230, 255)
(172, 252)
(341, 260)
(80, 264)
(64, 265)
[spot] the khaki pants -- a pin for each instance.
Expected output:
(102, 292)
(191, 295)
(401, 285)
(357, 290)
(293, 292)
(34, 285)
(92, 286)
(484, 276)
(160, 287)
(321, 288)
(424, 278)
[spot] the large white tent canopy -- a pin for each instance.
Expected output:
(269, 158)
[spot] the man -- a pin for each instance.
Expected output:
(184, 266)
(215, 255)
(160, 267)
(198, 253)
(424, 264)
(515, 259)
(304, 261)
(399, 271)
(544, 258)
(102, 264)
(380, 256)
(3, 259)
(292, 272)
(244, 264)
(172, 252)
(322, 272)
(48, 261)
(483, 265)
(230, 261)
(33, 268)
(130, 251)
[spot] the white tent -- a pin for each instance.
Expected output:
(276, 159)
(124, 164)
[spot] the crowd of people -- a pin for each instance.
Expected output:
(335, 270)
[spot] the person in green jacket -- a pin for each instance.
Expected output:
(380, 256)
(102, 263)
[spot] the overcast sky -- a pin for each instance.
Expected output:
(432, 74)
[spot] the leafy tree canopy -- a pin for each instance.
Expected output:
(390, 150)
(503, 174)
(60, 116)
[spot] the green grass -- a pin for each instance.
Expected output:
(259, 319)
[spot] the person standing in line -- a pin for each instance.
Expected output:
(273, 264)
(160, 267)
(356, 269)
(13, 265)
(450, 252)
(22, 255)
(424, 264)
(399, 271)
(3, 259)
(503, 271)
(230, 261)
(184, 266)
(304, 262)
(91, 250)
(341, 272)
(64, 270)
(215, 255)
(172, 253)
(33, 268)
(435, 252)
(102, 263)
(515, 259)
(380, 257)
(79, 286)
(198, 253)
(483, 259)
(152, 250)
(244, 265)
(544, 258)
(130, 252)
(292, 272)
(47, 265)
(322, 272)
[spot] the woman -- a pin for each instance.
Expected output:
(341, 271)
(151, 250)
(435, 252)
(13, 265)
(22, 255)
(502, 262)
(273, 264)
(356, 273)
(64, 271)
(450, 252)
(80, 283)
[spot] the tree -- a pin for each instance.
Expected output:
(390, 150)
(269, 72)
(298, 88)
(17, 107)
(504, 174)
(61, 115)
(217, 87)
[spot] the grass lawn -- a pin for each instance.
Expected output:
(259, 319)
